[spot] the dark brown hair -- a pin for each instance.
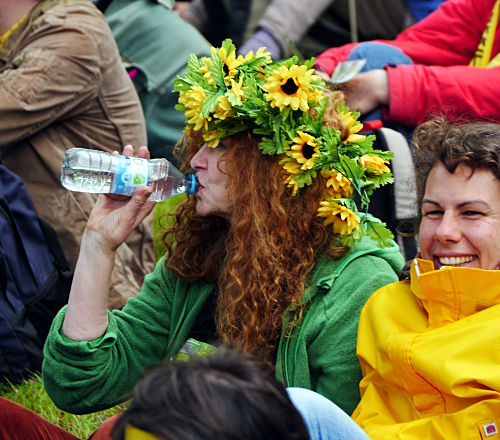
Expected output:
(225, 396)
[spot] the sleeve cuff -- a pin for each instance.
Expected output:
(64, 344)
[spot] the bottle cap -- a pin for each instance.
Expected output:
(192, 184)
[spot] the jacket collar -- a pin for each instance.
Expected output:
(452, 293)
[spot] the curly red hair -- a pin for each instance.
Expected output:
(262, 258)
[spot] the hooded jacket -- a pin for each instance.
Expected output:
(429, 353)
(319, 353)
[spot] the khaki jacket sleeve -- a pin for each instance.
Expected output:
(52, 74)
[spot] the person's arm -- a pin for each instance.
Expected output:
(415, 92)
(88, 376)
(448, 37)
(55, 71)
(430, 41)
(112, 219)
(289, 20)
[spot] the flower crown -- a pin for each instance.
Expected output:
(283, 103)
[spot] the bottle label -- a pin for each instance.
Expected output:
(130, 173)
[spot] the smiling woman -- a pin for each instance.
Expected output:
(450, 314)
(461, 228)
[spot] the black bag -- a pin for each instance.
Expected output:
(35, 280)
(396, 204)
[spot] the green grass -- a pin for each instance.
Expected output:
(32, 395)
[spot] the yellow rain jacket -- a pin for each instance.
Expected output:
(430, 355)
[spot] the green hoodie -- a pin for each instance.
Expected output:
(318, 354)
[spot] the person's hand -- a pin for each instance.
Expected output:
(367, 91)
(114, 216)
(261, 38)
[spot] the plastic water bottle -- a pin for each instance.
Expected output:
(94, 171)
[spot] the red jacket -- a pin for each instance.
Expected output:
(441, 46)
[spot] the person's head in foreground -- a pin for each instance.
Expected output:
(279, 161)
(226, 395)
(459, 171)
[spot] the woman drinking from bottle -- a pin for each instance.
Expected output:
(270, 256)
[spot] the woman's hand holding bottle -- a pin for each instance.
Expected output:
(114, 216)
(112, 219)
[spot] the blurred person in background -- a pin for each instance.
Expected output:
(62, 85)
(309, 27)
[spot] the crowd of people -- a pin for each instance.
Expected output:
(282, 308)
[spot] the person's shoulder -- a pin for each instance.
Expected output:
(76, 30)
(369, 254)
(391, 299)
(78, 16)
(70, 10)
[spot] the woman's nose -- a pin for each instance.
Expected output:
(198, 161)
(449, 229)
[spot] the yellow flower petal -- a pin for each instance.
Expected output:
(337, 185)
(304, 150)
(374, 164)
(290, 88)
(343, 220)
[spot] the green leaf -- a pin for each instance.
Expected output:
(193, 62)
(216, 70)
(386, 155)
(181, 84)
(374, 181)
(210, 102)
(377, 231)
(366, 145)
(267, 146)
(305, 177)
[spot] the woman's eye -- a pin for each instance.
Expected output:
(471, 213)
(433, 213)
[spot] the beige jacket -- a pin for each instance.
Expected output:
(62, 85)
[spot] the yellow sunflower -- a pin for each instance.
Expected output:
(229, 64)
(223, 109)
(337, 185)
(374, 164)
(261, 51)
(344, 220)
(236, 89)
(348, 135)
(210, 137)
(290, 170)
(193, 100)
(290, 88)
(304, 150)
(205, 64)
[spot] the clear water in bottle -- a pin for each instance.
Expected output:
(96, 171)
